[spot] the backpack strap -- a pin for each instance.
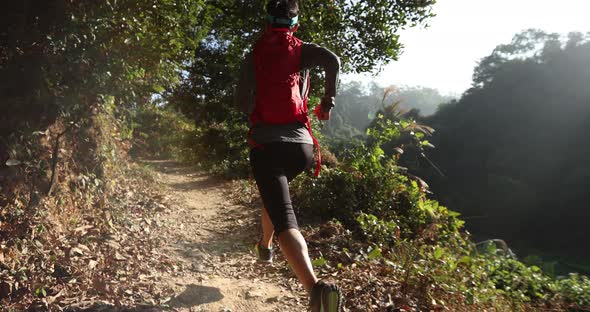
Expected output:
(318, 166)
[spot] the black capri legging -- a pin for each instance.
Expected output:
(274, 166)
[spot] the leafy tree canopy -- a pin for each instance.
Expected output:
(511, 146)
(60, 56)
(362, 33)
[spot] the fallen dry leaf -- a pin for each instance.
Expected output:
(119, 257)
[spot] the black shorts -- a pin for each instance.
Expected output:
(274, 166)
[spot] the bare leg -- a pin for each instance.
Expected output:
(268, 229)
(295, 250)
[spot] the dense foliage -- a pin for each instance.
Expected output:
(512, 149)
(59, 57)
(491, 146)
(418, 239)
(72, 73)
(78, 80)
(364, 39)
(161, 132)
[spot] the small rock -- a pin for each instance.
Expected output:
(252, 294)
(274, 299)
(199, 268)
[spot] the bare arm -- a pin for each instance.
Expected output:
(313, 55)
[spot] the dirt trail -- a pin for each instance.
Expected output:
(211, 238)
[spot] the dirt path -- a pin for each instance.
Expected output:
(209, 240)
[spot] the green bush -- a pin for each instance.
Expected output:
(372, 195)
(576, 290)
(221, 147)
(378, 231)
(518, 281)
(161, 132)
(367, 181)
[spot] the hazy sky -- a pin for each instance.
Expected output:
(443, 55)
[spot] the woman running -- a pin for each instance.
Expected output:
(272, 89)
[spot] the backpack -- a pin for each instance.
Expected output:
(277, 58)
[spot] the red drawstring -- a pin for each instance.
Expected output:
(317, 146)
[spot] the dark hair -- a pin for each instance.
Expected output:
(282, 9)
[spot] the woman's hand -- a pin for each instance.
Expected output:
(322, 111)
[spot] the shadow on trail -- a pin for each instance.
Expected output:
(192, 296)
(103, 307)
(196, 295)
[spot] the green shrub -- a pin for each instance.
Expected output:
(371, 194)
(576, 290)
(378, 231)
(367, 181)
(161, 132)
(518, 281)
(221, 147)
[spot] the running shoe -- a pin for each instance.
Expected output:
(325, 297)
(263, 254)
